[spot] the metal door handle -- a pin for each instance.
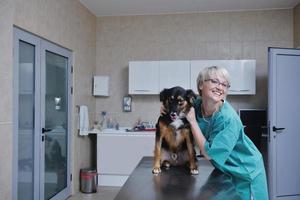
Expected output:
(44, 130)
(277, 129)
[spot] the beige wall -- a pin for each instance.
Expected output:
(6, 139)
(297, 26)
(219, 35)
(68, 24)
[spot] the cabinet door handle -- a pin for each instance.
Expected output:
(142, 90)
(240, 90)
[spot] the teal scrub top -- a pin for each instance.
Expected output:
(232, 152)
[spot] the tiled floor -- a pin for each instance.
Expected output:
(103, 193)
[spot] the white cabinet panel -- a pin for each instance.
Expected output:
(144, 77)
(196, 67)
(242, 74)
(174, 73)
(119, 153)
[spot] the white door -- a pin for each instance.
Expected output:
(284, 118)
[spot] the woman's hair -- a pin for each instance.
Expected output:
(210, 72)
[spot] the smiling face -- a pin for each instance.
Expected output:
(213, 84)
(213, 89)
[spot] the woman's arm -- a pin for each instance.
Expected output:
(197, 133)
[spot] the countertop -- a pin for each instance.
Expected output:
(121, 131)
(177, 183)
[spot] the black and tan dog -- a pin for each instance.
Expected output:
(174, 143)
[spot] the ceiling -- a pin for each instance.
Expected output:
(152, 7)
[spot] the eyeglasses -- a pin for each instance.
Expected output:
(216, 82)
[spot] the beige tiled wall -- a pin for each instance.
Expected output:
(6, 17)
(215, 35)
(68, 24)
(297, 26)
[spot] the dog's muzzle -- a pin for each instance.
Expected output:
(173, 116)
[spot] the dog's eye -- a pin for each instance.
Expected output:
(170, 99)
(180, 102)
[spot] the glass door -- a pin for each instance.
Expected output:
(26, 119)
(26, 110)
(55, 120)
(42, 91)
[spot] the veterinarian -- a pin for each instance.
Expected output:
(219, 133)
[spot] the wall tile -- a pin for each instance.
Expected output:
(249, 50)
(6, 69)
(6, 172)
(236, 51)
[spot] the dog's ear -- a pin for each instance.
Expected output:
(163, 95)
(191, 96)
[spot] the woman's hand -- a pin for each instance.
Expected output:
(197, 133)
(191, 116)
(162, 110)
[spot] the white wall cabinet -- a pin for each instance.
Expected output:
(174, 73)
(242, 74)
(143, 77)
(119, 153)
(101, 86)
(150, 77)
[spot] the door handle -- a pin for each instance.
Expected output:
(44, 130)
(277, 129)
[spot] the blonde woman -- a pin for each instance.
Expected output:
(220, 135)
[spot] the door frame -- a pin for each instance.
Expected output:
(38, 175)
(272, 119)
(48, 46)
(30, 39)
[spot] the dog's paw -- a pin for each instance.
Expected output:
(194, 171)
(156, 170)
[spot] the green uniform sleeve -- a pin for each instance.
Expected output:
(222, 140)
